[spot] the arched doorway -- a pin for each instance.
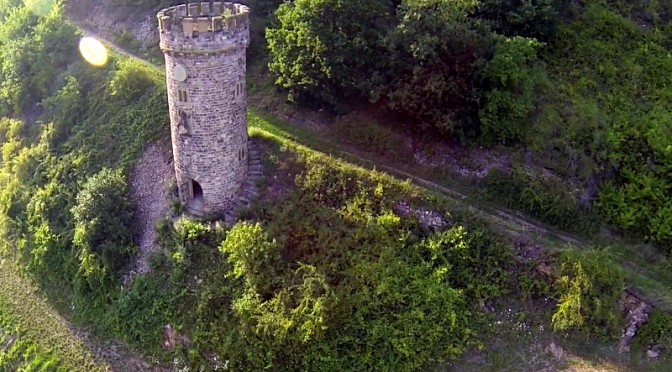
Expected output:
(195, 205)
(197, 190)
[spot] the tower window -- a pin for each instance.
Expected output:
(182, 95)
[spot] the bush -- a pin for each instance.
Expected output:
(548, 200)
(512, 78)
(323, 51)
(656, 332)
(476, 262)
(252, 257)
(103, 226)
(588, 290)
(436, 56)
(66, 108)
(528, 18)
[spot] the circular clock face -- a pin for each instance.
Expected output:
(179, 73)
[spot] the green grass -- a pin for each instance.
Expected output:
(43, 339)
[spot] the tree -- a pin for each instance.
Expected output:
(103, 219)
(512, 79)
(529, 18)
(325, 50)
(435, 55)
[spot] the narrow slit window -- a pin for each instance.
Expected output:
(181, 95)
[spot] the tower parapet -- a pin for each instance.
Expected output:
(204, 45)
(204, 28)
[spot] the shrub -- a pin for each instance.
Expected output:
(656, 332)
(103, 225)
(512, 78)
(66, 108)
(588, 290)
(252, 256)
(323, 50)
(475, 261)
(436, 56)
(528, 18)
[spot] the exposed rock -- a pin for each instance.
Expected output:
(556, 351)
(171, 338)
(653, 354)
(636, 313)
(428, 219)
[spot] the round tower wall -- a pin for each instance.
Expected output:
(205, 78)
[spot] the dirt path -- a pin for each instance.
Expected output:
(149, 193)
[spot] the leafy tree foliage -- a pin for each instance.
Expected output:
(325, 50)
(509, 101)
(589, 289)
(528, 18)
(103, 225)
(435, 57)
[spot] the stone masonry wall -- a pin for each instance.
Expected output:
(210, 145)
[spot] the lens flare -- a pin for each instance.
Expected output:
(40, 7)
(93, 51)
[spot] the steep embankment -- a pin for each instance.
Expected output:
(42, 338)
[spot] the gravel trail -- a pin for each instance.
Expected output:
(149, 194)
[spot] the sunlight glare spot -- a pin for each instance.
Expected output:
(93, 51)
(40, 7)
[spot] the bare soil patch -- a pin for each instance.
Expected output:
(150, 195)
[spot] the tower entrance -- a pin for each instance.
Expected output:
(196, 204)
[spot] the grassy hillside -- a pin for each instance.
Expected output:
(334, 267)
(33, 337)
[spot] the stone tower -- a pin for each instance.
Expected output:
(204, 44)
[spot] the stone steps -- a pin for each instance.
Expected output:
(249, 190)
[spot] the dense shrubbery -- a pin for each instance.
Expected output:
(588, 291)
(548, 200)
(512, 76)
(326, 50)
(612, 115)
(332, 279)
(62, 218)
(435, 59)
(528, 18)
(103, 228)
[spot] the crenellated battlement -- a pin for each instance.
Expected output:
(204, 27)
